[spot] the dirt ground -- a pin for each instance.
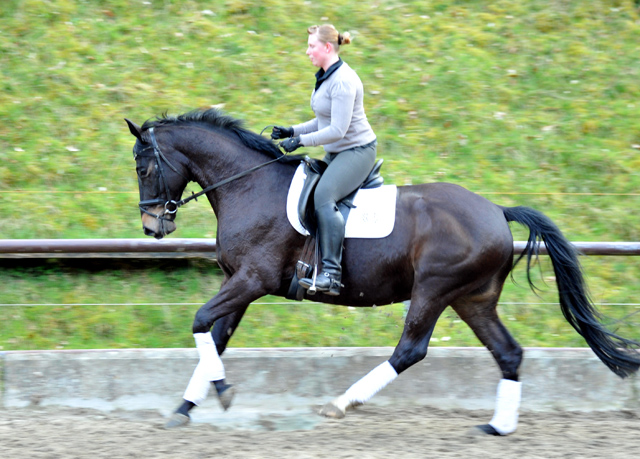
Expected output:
(369, 432)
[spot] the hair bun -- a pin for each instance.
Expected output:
(344, 38)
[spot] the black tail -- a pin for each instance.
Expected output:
(617, 353)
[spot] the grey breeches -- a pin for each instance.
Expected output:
(346, 171)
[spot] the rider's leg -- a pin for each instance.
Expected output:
(330, 239)
(346, 171)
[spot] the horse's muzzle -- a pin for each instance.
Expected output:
(158, 227)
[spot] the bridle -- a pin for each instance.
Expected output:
(171, 206)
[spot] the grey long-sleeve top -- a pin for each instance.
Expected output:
(340, 121)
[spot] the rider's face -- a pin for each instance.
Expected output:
(317, 51)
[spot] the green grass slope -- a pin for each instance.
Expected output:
(533, 103)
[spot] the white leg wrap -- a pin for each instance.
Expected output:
(209, 369)
(505, 418)
(367, 387)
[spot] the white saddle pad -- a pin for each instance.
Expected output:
(373, 217)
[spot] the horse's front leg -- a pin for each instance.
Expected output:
(224, 328)
(228, 306)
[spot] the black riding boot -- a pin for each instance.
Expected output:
(330, 238)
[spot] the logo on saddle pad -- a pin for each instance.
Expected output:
(372, 216)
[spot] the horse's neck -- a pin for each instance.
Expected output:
(218, 158)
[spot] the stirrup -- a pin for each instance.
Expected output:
(309, 284)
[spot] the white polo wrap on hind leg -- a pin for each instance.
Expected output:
(210, 368)
(367, 387)
(505, 417)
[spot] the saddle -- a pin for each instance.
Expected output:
(314, 168)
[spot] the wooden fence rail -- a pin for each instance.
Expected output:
(201, 248)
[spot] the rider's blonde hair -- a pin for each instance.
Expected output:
(327, 33)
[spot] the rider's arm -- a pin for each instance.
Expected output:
(305, 128)
(343, 95)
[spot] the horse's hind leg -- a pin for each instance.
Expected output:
(478, 310)
(419, 324)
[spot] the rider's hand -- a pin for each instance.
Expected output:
(291, 144)
(281, 132)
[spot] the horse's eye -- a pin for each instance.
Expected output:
(145, 170)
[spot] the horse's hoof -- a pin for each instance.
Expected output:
(331, 411)
(488, 429)
(177, 420)
(226, 397)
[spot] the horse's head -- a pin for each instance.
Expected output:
(161, 180)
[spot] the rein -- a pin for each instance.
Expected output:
(171, 206)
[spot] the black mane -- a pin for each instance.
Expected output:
(212, 117)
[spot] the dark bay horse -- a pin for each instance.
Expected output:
(449, 247)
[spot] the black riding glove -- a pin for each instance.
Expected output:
(281, 132)
(291, 144)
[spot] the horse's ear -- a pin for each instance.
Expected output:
(136, 131)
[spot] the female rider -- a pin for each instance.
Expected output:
(340, 126)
